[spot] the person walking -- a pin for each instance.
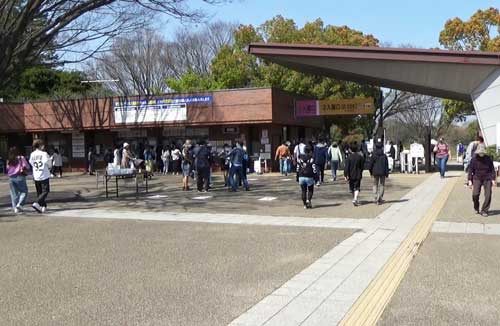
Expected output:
(379, 170)
(224, 163)
(481, 174)
(91, 160)
(127, 157)
(202, 161)
(470, 153)
(56, 163)
(392, 151)
(117, 158)
(187, 164)
(364, 149)
(41, 163)
(236, 158)
(460, 153)
(306, 174)
(335, 156)
(149, 158)
(108, 156)
(165, 158)
(176, 160)
(320, 156)
(282, 156)
(17, 169)
(244, 168)
(442, 151)
(353, 172)
(299, 149)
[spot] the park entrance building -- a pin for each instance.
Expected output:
(261, 118)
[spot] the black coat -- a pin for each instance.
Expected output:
(203, 157)
(379, 164)
(482, 168)
(354, 165)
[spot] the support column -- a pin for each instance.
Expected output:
(486, 100)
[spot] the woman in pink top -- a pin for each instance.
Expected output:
(442, 151)
(17, 169)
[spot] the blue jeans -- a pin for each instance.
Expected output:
(237, 170)
(284, 166)
(335, 167)
(441, 163)
(305, 181)
(18, 190)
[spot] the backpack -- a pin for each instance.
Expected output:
(306, 167)
(187, 155)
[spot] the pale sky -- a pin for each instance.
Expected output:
(395, 21)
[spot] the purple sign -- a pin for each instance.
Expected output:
(307, 108)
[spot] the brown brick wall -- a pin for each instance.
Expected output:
(68, 115)
(12, 117)
(246, 106)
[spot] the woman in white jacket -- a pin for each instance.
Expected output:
(165, 157)
(335, 156)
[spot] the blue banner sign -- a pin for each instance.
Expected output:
(135, 104)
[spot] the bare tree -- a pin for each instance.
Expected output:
(31, 28)
(195, 50)
(423, 119)
(395, 102)
(139, 64)
(423, 116)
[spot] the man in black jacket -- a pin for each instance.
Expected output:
(379, 169)
(481, 174)
(353, 172)
(202, 161)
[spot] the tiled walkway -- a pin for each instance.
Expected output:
(323, 293)
(469, 228)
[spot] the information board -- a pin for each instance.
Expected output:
(417, 150)
(155, 110)
(78, 144)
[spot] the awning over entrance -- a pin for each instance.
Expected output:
(448, 74)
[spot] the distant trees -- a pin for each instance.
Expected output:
(141, 63)
(479, 33)
(34, 32)
(234, 67)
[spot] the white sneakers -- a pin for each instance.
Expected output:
(18, 209)
(37, 207)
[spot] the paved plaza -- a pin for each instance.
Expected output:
(271, 194)
(248, 258)
(82, 272)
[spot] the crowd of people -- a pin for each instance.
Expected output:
(311, 160)
(196, 160)
(191, 161)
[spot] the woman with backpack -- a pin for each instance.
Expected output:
(306, 175)
(17, 169)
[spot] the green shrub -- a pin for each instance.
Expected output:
(492, 152)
